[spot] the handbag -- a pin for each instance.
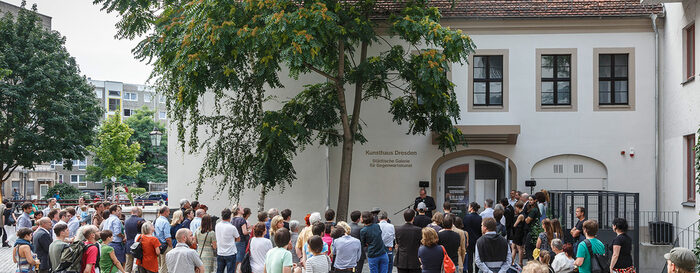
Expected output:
(245, 264)
(598, 262)
(137, 249)
(447, 262)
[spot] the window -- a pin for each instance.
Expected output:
(29, 188)
(131, 96)
(98, 93)
(161, 99)
(162, 115)
(613, 71)
(147, 97)
(128, 112)
(488, 81)
(79, 179)
(690, 168)
(114, 93)
(55, 163)
(15, 185)
(556, 79)
(690, 52)
(60, 178)
(80, 164)
(114, 105)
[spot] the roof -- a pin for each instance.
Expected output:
(533, 8)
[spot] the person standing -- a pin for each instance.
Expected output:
(458, 226)
(680, 260)
(131, 229)
(430, 254)
(162, 232)
(279, 259)
(197, 220)
(509, 215)
(294, 235)
(319, 262)
(73, 223)
(492, 253)
(4, 220)
(422, 220)
(427, 200)
(577, 231)
(108, 260)
(408, 237)
(488, 209)
(561, 263)
(355, 232)
(347, 249)
(449, 239)
(114, 224)
(472, 225)
(42, 240)
(286, 216)
(226, 238)
(151, 249)
(56, 247)
(183, 259)
(206, 244)
(176, 223)
(513, 197)
(371, 237)
(189, 216)
(243, 229)
(621, 260)
(92, 251)
(22, 252)
(388, 236)
(583, 255)
(51, 204)
(259, 246)
(24, 220)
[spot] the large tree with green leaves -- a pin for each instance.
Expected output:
(47, 110)
(155, 159)
(234, 51)
(114, 156)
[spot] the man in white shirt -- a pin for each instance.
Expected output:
(561, 262)
(226, 238)
(513, 198)
(488, 209)
(183, 259)
(197, 221)
(52, 204)
(387, 236)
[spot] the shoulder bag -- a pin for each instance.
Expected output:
(245, 264)
(598, 262)
(447, 262)
(203, 244)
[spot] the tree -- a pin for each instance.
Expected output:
(155, 159)
(235, 50)
(67, 191)
(114, 156)
(47, 110)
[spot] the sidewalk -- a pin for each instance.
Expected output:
(6, 264)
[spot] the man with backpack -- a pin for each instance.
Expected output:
(57, 246)
(91, 252)
(589, 255)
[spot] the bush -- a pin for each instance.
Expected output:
(66, 190)
(137, 191)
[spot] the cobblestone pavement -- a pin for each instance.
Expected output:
(6, 264)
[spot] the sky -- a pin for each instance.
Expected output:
(90, 39)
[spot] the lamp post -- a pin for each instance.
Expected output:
(114, 182)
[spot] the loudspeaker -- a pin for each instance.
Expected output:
(423, 184)
(530, 183)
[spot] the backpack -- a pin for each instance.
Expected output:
(137, 249)
(71, 256)
(599, 263)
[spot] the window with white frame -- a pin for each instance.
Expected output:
(130, 96)
(162, 115)
(114, 93)
(147, 97)
(98, 93)
(128, 112)
(77, 178)
(161, 98)
(60, 178)
(80, 164)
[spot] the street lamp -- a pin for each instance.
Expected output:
(156, 135)
(114, 181)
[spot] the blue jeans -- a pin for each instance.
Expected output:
(119, 251)
(390, 265)
(379, 264)
(228, 262)
(240, 248)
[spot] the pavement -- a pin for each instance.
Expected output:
(6, 264)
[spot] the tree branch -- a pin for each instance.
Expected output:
(309, 66)
(8, 173)
(358, 91)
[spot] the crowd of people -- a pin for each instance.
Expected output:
(511, 235)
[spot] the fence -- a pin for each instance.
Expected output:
(602, 206)
(658, 227)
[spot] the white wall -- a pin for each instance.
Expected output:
(600, 135)
(680, 109)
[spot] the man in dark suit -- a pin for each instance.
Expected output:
(408, 238)
(427, 200)
(42, 240)
(472, 225)
(355, 232)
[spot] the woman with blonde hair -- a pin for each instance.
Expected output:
(545, 238)
(535, 267)
(276, 223)
(437, 221)
(430, 254)
(344, 225)
(176, 222)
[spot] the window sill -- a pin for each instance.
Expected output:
(689, 80)
(688, 204)
(556, 108)
(613, 107)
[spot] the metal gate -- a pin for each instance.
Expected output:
(602, 206)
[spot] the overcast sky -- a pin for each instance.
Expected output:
(90, 39)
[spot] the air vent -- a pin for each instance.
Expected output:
(578, 168)
(558, 168)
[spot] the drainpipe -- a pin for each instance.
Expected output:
(328, 181)
(657, 150)
(507, 176)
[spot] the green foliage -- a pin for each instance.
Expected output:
(535, 231)
(137, 191)
(66, 191)
(47, 110)
(234, 51)
(155, 159)
(114, 156)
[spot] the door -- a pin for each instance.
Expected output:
(456, 188)
(485, 189)
(459, 180)
(43, 189)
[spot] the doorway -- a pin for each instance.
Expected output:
(469, 178)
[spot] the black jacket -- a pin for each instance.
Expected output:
(408, 238)
(429, 202)
(42, 240)
(472, 225)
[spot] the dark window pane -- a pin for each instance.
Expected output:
(479, 61)
(479, 87)
(563, 72)
(564, 60)
(563, 87)
(621, 86)
(547, 98)
(547, 60)
(480, 99)
(604, 86)
(620, 71)
(496, 72)
(620, 59)
(479, 93)
(604, 71)
(496, 98)
(563, 98)
(547, 87)
(496, 61)
(495, 87)
(604, 97)
(621, 97)
(547, 71)
(604, 60)
(479, 73)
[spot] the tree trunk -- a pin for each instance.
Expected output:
(261, 200)
(344, 183)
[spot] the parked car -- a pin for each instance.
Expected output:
(154, 196)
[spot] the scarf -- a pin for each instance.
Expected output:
(21, 241)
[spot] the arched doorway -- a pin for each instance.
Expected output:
(471, 175)
(570, 172)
